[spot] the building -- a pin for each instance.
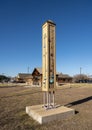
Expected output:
(33, 79)
(64, 78)
(36, 77)
(24, 78)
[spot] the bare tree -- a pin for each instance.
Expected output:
(80, 78)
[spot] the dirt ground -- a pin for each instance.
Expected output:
(14, 99)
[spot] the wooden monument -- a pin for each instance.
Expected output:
(49, 62)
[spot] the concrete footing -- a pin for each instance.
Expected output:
(42, 115)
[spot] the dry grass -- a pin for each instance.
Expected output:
(13, 101)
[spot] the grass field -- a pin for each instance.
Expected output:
(14, 99)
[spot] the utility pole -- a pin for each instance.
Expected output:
(80, 70)
(28, 69)
(80, 73)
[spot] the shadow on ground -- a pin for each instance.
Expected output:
(79, 101)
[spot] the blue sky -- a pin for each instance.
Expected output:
(21, 30)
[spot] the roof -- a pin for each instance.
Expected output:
(64, 76)
(39, 69)
(24, 75)
(49, 21)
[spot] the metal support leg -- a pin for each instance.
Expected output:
(53, 99)
(44, 99)
(49, 98)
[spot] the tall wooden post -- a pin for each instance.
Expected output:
(48, 59)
